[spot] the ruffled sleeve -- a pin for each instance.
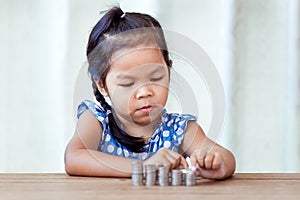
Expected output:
(180, 125)
(96, 110)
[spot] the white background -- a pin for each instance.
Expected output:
(254, 45)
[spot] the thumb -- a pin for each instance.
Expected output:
(205, 173)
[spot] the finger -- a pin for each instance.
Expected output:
(217, 161)
(166, 163)
(193, 160)
(209, 158)
(205, 173)
(200, 159)
(168, 159)
(173, 157)
(183, 162)
(178, 162)
(159, 164)
(174, 162)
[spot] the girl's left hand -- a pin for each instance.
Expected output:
(209, 163)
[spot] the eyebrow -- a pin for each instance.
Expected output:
(158, 68)
(124, 76)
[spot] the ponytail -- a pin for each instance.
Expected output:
(106, 23)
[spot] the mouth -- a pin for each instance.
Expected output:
(145, 109)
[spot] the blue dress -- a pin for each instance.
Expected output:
(168, 133)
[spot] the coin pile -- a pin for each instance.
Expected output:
(178, 177)
(163, 176)
(190, 178)
(150, 171)
(137, 172)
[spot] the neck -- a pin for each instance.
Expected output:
(136, 130)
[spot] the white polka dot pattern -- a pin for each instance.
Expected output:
(167, 144)
(179, 131)
(119, 151)
(110, 148)
(169, 133)
(126, 153)
(107, 138)
(166, 133)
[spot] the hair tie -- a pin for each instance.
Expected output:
(122, 16)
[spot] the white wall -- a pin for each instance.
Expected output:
(254, 45)
(33, 58)
(258, 84)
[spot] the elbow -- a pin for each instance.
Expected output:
(69, 169)
(70, 166)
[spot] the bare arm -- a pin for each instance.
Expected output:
(213, 160)
(82, 157)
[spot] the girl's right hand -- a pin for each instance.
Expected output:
(166, 157)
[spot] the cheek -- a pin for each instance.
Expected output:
(162, 93)
(120, 99)
(165, 93)
(163, 86)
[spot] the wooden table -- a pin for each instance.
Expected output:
(62, 186)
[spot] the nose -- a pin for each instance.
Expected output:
(144, 91)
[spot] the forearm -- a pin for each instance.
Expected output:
(83, 162)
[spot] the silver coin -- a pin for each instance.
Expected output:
(176, 177)
(150, 171)
(163, 176)
(137, 173)
(190, 178)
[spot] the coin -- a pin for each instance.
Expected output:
(176, 177)
(150, 171)
(163, 176)
(137, 172)
(190, 178)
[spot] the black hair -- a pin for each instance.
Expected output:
(111, 33)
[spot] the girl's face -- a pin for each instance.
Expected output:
(137, 85)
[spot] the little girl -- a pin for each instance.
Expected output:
(129, 66)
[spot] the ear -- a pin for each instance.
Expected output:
(101, 87)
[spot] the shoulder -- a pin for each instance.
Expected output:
(178, 120)
(173, 129)
(87, 134)
(89, 115)
(88, 122)
(97, 111)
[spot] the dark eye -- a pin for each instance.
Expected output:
(156, 79)
(126, 85)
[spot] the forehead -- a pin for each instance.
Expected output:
(127, 60)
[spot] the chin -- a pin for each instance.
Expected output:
(143, 122)
(147, 120)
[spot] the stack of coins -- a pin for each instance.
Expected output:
(163, 176)
(150, 175)
(190, 178)
(137, 173)
(176, 177)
